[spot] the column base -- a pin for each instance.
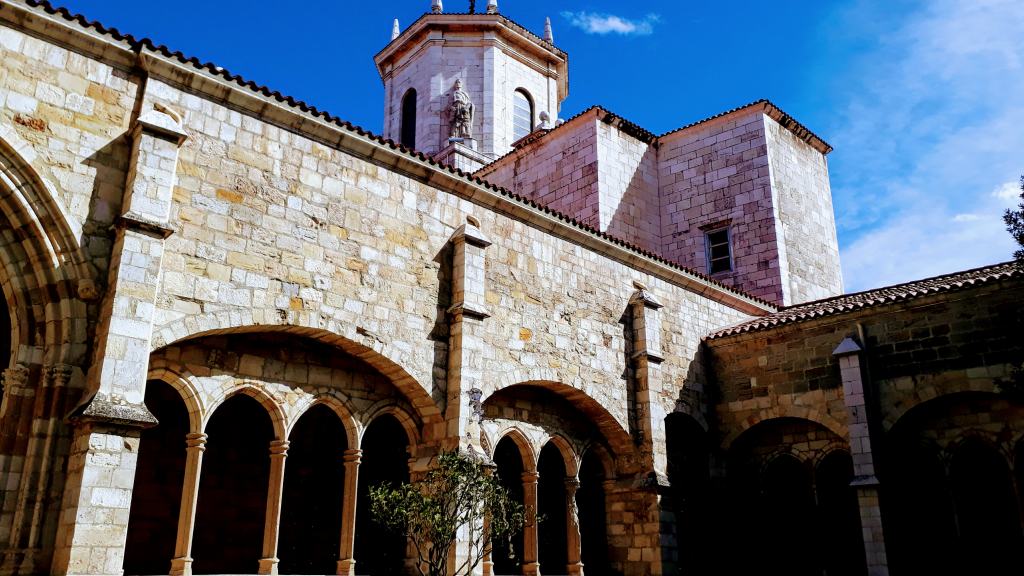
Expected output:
(531, 569)
(18, 561)
(181, 566)
(576, 569)
(488, 567)
(347, 567)
(268, 566)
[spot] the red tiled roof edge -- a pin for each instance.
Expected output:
(138, 44)
(782, 118)
(560, 126)
(837, 305)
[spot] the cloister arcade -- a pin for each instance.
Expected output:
(955, 471)
(254, 467)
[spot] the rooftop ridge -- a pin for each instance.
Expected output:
(137, 45)
(854, 301)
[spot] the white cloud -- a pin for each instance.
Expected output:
(927, 242)
(928, 139)
(595, 23)
(1007, 191)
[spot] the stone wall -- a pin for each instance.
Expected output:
(916, 351)
(742, 170)
(592, 171)
(559, 171)
(716, 174)
(246, 217)
(277, 229)
(799, 176)
(71, 110)
(628, 187)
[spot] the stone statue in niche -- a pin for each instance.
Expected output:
(460, 114)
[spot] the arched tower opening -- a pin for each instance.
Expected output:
(408, 119)
(522, 114)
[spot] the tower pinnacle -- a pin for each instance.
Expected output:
(492, 6)
(548, 36)
(436, 7)
(394, 29)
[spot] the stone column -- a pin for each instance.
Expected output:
(272, 523)
(36, 407)
(865, 482)
(572, 524)
(346, 553)
(101, 467)
(653, 546)
(487, 563)
(195, 445)
(531, 567)
(15, 424)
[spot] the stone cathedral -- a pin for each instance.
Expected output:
(228, 313)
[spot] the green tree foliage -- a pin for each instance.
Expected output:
(455, 496)
(1015, 224)
(1014, 385)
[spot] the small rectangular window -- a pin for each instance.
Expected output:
(719, 250)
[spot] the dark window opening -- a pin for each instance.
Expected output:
(719, 251)
(408, 127)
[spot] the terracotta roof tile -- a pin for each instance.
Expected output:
(838, 305)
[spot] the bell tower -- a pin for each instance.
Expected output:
(464, 87)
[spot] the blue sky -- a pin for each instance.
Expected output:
(923, 101)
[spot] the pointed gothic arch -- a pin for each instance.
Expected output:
(43, 277)
(43, 270)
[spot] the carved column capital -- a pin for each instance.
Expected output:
(196, 441)
(279, 448)
(60, 374)
(16, 377)
(572, 484)
(353, 456)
